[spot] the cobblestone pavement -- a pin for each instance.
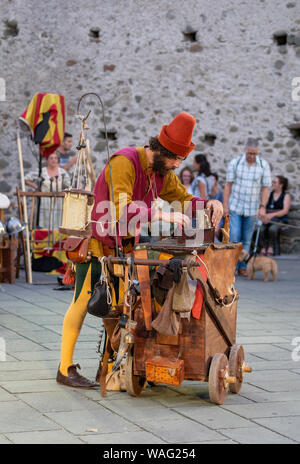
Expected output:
(35, 409)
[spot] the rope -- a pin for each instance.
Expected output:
(104, 278)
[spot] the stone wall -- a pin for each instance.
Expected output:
(230, 64)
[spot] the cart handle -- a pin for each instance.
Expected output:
(145, 262)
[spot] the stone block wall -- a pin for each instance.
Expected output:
(231, 64)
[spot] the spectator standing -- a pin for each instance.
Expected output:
(204, 181)
(63, 152)
(246, 194)
(278, 206)
(186, 177)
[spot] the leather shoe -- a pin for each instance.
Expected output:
(73, 379)
(242, 272)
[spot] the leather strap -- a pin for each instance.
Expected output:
(144, 280)
(104, 368)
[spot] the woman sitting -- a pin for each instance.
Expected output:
(186, 177)
(277, 209)
(203, 184)
(53, 179)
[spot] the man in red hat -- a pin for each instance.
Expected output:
(134, 179)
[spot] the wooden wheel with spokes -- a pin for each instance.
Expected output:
(218, 387)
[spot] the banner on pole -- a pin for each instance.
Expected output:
(45, 117)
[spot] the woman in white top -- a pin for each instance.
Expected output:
(203, 184)
(53, 179)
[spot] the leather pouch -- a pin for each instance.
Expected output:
(76, 249)
(97, 304)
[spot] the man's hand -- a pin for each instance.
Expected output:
(217, 210)
(177, 218)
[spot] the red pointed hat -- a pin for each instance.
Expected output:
(177, 136)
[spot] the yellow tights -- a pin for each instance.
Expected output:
(73, 321)
(87, 274)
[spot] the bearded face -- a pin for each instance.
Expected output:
(161, 164)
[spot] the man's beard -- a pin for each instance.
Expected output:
(159, 166)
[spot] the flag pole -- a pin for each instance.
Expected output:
(29, 280)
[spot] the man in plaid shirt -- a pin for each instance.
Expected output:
(246, 194)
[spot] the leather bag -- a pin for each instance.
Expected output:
(97, 304)
(76, 249)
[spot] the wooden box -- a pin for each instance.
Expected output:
(164, 370)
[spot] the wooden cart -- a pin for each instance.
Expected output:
(206, 345)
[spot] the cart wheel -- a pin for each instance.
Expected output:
(218, 387)
(236, 363)
(134, 383)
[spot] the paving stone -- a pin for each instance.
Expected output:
(78, 422)
(278, 385)
(216, 442)
(287, 426)
(213, 416)
(269, 375)
(253, 411)
(30, 386)
(6, 396)
(271, 397)
(179, 430)
(132, 438)
(38, 355)
(36, 365)
(255, 435)
(33, 374)
(262, 365)
(43, 337)
(4, 440)
(63, 400)
(23, 345)
(55, 437)
(10, 321)
(282, 355)
(135, 409)
(18, 417)
(262, 347)
(45, 319)
(261, 339)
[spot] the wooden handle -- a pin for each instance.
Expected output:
(247, 368)
(230, 379)
(225, 229)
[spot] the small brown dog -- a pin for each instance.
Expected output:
(259, 263)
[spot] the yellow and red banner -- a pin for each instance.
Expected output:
(45, 116)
